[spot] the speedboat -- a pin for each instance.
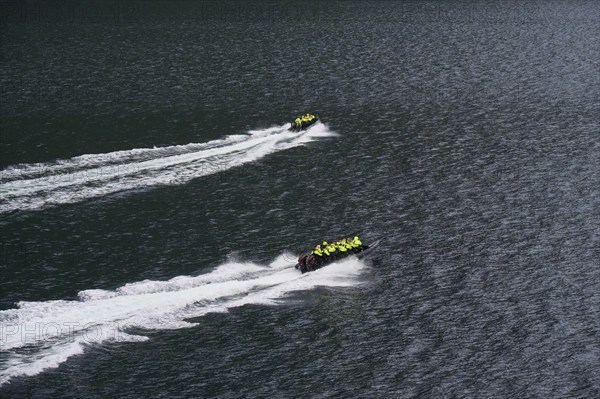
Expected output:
(304, 125)
(310, 262)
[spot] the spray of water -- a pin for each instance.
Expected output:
(37, 336)
(35, 186)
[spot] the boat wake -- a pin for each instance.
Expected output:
(35, 186)
(41, 335)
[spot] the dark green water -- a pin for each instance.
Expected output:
(153, 202)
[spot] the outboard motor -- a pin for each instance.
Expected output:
(310, 263)
(302, 263)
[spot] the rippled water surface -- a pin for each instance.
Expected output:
(153, 202)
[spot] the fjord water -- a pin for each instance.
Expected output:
(153, 202)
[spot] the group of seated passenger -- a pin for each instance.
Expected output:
(338, 248)
(303, 120)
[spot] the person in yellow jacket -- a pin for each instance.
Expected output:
(323, 247)
(348, 244)
(332, 250)
(357, 242)
(317, 251)
(298, 122)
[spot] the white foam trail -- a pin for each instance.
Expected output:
(41, 335)
(33, 186)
